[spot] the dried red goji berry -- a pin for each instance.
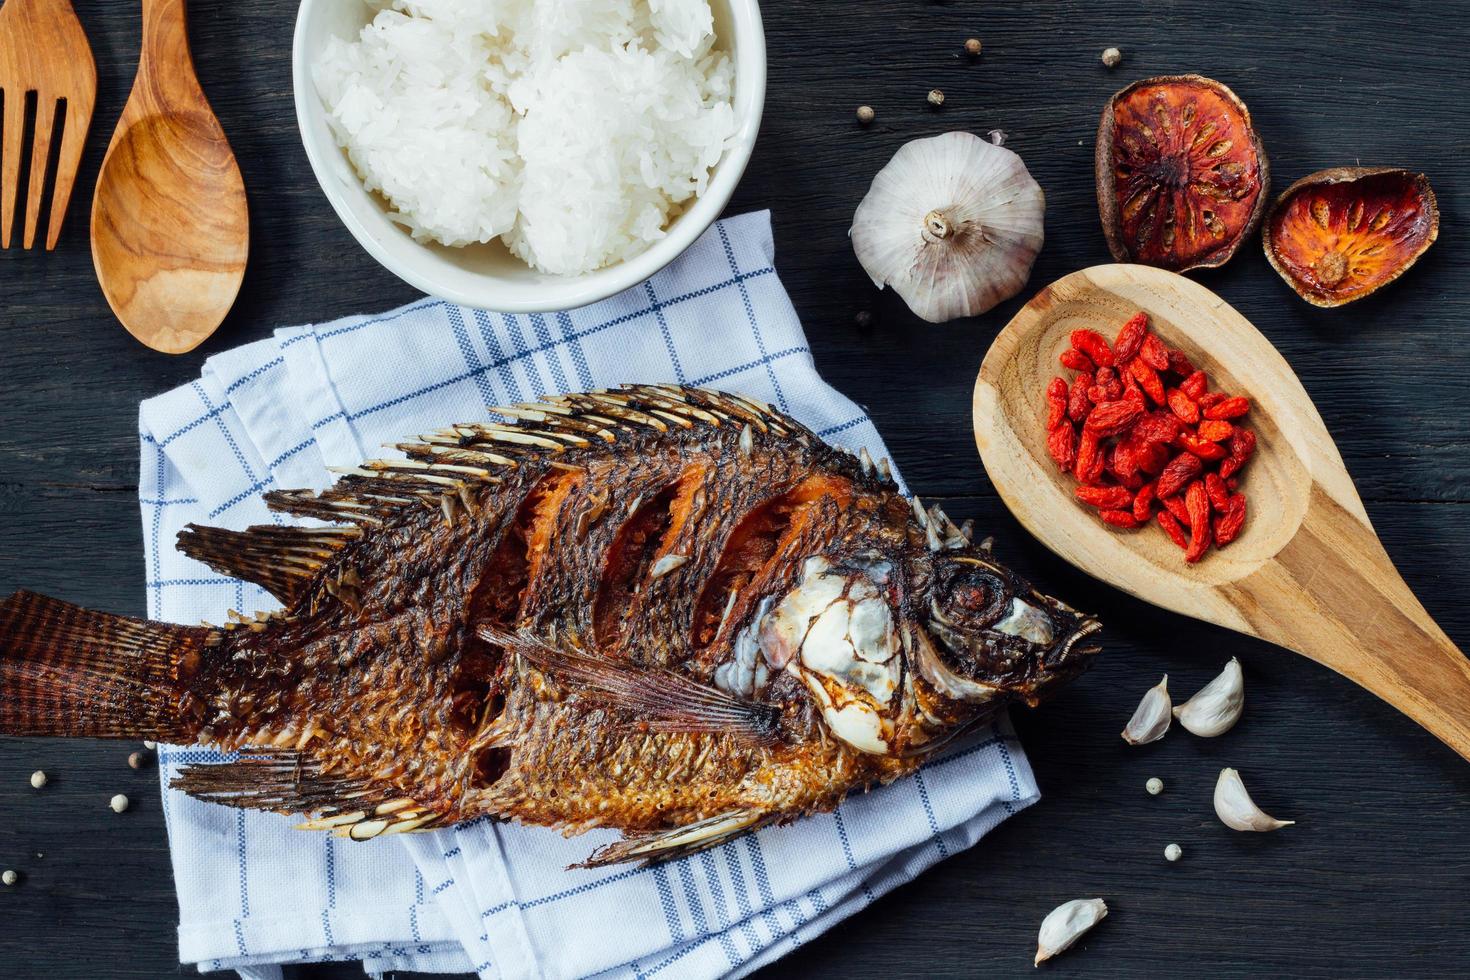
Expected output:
(1097, 393)
(1211, 398)
(1175, 506)
(1121, 461)
(1106, 498)
(1130, 338)
(1135, 397)
(1242, 444)
(1078, 404)
(1180, 364)
(1076, 360)
(1198, 505)
(1152, 457)
(1089, 458)
(1203, 448)
(1229, 523)
(1061, 442)
(1148, 379)
(1157, 427)
(1232, 484)
(1195, 385)
(1154, 353)
(1216, 491)
(1113, 418)
(1177, 474)
(1119, 518)
(1143, 502)
(1091, 343)
(1056, 403)
(1230, 408)
(1215, 430)
(1105, 376)
(1183, 406)
(1172, 528)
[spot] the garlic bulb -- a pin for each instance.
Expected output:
(1065, 924)
(953, 223)
(1216, 708)
(1236, 809)
(1151, 720)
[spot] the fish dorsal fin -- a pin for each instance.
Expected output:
(666, 845)
(661, 700)
(293, 782)
(282, 560)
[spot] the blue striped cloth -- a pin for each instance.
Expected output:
(493, 899)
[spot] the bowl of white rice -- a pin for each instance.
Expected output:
(528, 155)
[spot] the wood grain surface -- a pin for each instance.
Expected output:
(1372, 881)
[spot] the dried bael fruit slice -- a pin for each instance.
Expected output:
(1338, 235)
(1181, 174)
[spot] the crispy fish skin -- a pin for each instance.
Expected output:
(670, 611)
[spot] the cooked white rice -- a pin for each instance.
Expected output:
(573, 129)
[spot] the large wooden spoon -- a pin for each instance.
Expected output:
(170, 229)
(1308, 572)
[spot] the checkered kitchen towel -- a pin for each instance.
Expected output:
(493, 899)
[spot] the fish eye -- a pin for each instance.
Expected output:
(971, 597)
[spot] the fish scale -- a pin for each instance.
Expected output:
(526, 619)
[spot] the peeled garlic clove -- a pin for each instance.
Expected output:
(1066, 923)
(953, 223)
(1216, 708)
(1151, 720)
(1236, 809)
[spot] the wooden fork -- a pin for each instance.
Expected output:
(43, 50)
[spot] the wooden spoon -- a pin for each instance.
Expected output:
(170, 229)
(1307, 573)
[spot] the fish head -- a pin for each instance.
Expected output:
(985, 634)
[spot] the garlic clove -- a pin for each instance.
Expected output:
(1236, 809)
(1065, 924)
(1151, 719)
(1216, 707)
(953, 223)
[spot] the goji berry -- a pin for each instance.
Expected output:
(1152, 457)
(1211, 398)
(1076, 360)
(1175, 506)
(1098, 393)
(1105, 376)
(1089, 458)
(1180, 364)
(1242, 444)
(1119, 518)
(1215, 430)
(1121, 461)
(1203, 448)
(1229, 523)
(1183, 406)
(1172, 528)
(1215, 489)
(1232, 484)
(1157, 427)
(1130, 338)
(1198, 505)
(1148, 379)
(1056, 403)
(1105, 498)
(1177, 474)
(1195, 385)
(1061, 442)
(1135, 397)
(1230, 408)
(1154, 353)
(1078, 404)
(1091, 343)
(1112, 418)
(1143, 502)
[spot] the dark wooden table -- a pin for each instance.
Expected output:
(1374, 879)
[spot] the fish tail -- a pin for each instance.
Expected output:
(68, 671)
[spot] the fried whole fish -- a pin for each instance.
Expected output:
(670, 611)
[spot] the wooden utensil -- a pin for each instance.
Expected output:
(44, 50)
(1307, 573)
(170, 228)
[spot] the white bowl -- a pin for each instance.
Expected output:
(488, 276)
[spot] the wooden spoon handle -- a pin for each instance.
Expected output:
(165, 60)
(1334, 595)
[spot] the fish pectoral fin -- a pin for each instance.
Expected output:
(665, 845)
(282, 560)
(292, 782)
(660, 700)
